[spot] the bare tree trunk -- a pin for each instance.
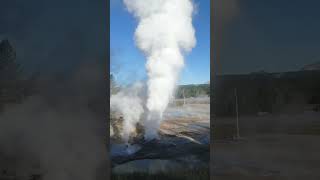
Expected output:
(237, 112)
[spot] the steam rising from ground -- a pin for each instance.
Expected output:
(60, 130)
(163, 33)
(129, 103)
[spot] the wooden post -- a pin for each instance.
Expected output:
(184, 98)
(237, 112)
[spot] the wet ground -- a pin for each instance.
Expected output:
(184, 142)
(270, 147)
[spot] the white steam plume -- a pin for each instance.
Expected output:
(164, 32)
(129, 103)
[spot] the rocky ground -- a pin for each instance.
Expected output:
(184, 139)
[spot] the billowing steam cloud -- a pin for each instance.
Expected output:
(129, 103)
(164, 32)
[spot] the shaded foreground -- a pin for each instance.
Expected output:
(198, 174)
(271, 147)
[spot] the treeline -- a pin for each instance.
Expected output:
(268, 92)
(193, 90)
(183, 91)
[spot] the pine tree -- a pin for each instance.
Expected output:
(10, 87)
(9, 68)
(113, 85)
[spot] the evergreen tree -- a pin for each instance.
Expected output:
(11, 86)
(113, 85)
(9, 68)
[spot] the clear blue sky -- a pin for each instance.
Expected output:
(127, 62)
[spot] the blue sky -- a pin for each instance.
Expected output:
(128, 63)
